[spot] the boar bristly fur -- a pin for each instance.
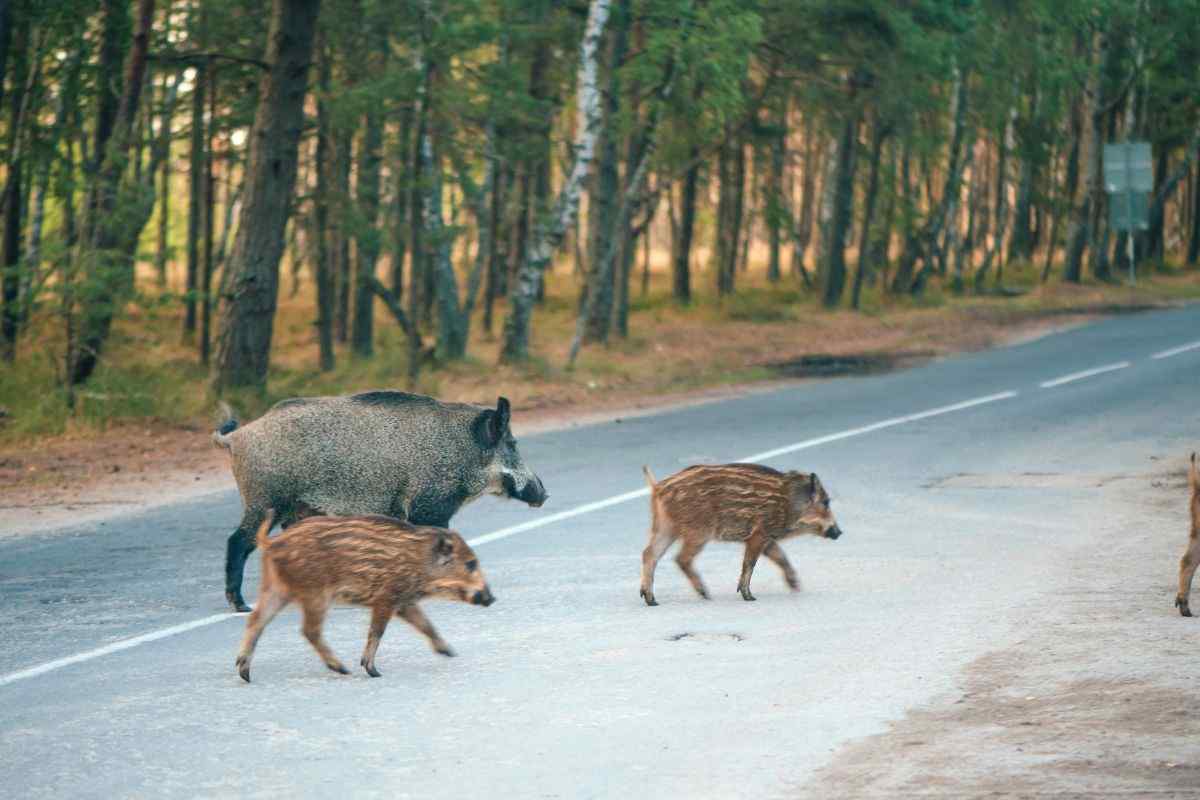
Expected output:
(733, 503)
(392, 453)
(384, 564)
(1191, 557)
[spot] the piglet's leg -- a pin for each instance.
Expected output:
(414, 616)
(687, 554)
(1187, 568)
(754, 547)
(380, 616)
(270, 603)
(774, 552)
(314, 619)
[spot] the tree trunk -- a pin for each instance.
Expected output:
(1000, 207)
(774, 215)
(110, 274)
(839, 215)
(1078, 230)
(879, 134)
(195, 200)
(370, 162)
(210, 210)
(320, 229)
(164, 195)
(681, 274)
(244, 344)
(12, 200)
(343, 159)
(802, 231)
(550, 234)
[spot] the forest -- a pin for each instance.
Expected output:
(417, 177)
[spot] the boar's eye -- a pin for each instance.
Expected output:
(472, 565)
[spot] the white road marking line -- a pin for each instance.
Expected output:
(115, 647)
(1087, 373)
(512, 530)
(1174, 351)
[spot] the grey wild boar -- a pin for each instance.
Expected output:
(392, 453)
(382, 563)
(733, 503)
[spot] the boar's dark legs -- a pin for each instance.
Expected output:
(660, 540)
(380, 617)
(314, 619)
(414, 616)
(687, 554)
(774, 552)
(269, 604)
(239, 546)
(757, 542)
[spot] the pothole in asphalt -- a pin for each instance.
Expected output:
(706, 637)
(825, 365)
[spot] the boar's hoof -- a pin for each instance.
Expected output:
(235, 600)
(1182, 604)
(244, 669)
(649, 598)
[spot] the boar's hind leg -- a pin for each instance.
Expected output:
(414, 616)
(380, 616)
(687, 554)
(240, 545)
(754, 547)
(314, 619)
(660, 540)
(774, 552)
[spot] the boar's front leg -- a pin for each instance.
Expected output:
(414, 616)
(754, 547)
(380, 616)
(774, 552)
(237, 548)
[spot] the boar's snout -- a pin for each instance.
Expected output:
(834, 532)
(534, 492)
(484, 597)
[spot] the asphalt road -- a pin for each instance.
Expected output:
(569, 686)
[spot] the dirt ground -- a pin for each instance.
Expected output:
(1097, 699)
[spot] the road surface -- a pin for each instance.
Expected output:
(996, 618)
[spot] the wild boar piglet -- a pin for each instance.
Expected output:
(733, 503)
(379, 562)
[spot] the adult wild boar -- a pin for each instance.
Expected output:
(393, 453)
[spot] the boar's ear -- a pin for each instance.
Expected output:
(498, 424)
(443, 549)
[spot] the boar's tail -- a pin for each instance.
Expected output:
(226, 426)
(261, 538)
(649, 477)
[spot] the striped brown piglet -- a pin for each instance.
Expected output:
(382, 563)
(746, 503)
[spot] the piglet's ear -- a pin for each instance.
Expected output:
(443, 549)
(813, 482)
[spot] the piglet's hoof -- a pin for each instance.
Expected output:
(649, 598)
(374, 673)
(1182, 604)
(747, 596)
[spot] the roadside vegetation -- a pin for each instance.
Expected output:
(564, 201)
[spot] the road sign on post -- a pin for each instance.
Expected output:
(1129, 179)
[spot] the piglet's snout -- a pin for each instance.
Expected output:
(483, 597)
(833, 532)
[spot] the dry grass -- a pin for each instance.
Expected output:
(150, 378)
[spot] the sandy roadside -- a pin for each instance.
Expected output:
(1096, 699)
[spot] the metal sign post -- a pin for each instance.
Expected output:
(1129, 171)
